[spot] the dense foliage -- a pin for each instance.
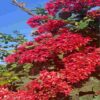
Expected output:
(9, 42)
(63, 61)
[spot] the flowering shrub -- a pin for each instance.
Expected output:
(45, 50)
(70, 5)
(62, 54)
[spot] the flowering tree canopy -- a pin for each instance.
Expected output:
(65, 52)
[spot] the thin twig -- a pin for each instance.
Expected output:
(22, 6)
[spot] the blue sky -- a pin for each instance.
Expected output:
(12, 18)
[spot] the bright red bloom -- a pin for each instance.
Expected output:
(39, 54)
(37, 20)
(11, 58)
(49, 85)
(5, 94)
(79, 66)
(68, 42)
(51, 26)
(45, 50)
(43, 37)
(55, 6)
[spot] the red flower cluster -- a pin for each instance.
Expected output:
(39, 54)
(44, 88)
(21, 48)
(79, 66)
(49, 85)
(5, 94)
(68, 42)
(51, 26)
(45, 50)
(37, 20)
(43, 37)
(70, 5)
(12, 58)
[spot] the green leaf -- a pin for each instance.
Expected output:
(97, 97)
(86, 97)
(92, 84)
(7, 74)
(83, 23)
(14, 78)
(3, 82)
(27, 67)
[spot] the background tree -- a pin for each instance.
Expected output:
(10, 42)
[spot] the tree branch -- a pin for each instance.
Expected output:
(22, 6)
